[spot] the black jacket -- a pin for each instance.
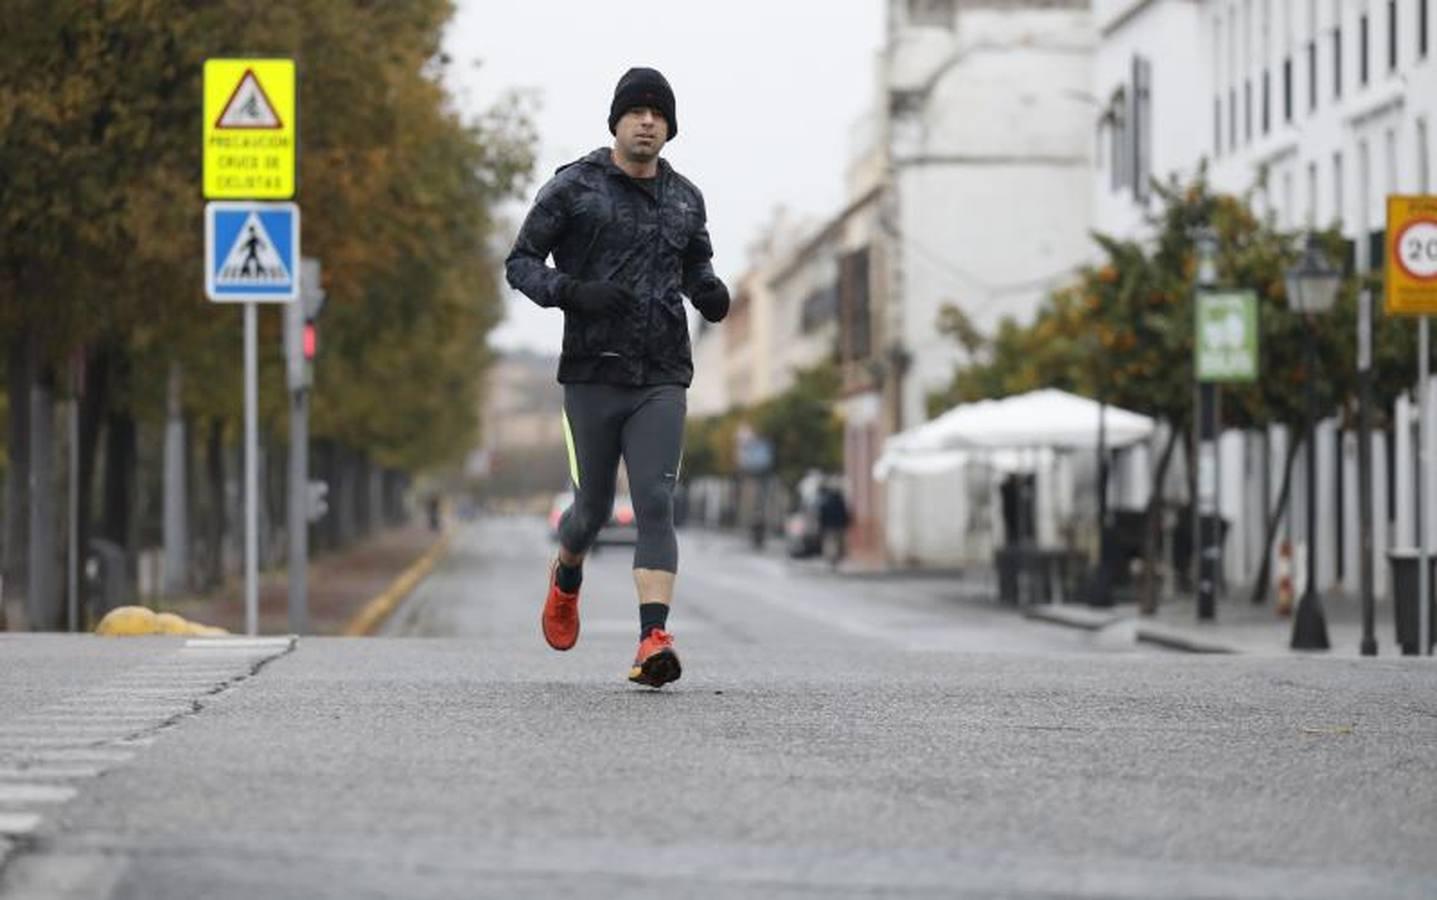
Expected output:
(600, 225)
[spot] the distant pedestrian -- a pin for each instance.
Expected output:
(629, 239)
(833, 522)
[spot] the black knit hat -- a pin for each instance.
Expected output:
(643, 87)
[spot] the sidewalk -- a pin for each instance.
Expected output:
(1239, 626)
(340, 585)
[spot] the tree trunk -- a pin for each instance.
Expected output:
(175, 523)
(343, 492)
(1260, 587)
(215, 469)
(17, 480)
(118, 513)
(1153, 527)
(94, 406)
(43, 608)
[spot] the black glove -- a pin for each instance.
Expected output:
(711, 300)
(597, 298)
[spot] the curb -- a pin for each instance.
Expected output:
(1090, 620)
(368, 619)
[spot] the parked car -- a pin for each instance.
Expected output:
(621, 528)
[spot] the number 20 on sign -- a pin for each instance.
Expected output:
(1411, 263)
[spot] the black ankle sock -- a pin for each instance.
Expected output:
(651, 616)
(568, 579)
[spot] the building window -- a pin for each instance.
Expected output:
(931, 13)
(1311, 195)
(1287, 90)
(857, 315)
(1142, 126)
(1217, 125)
(1266, 103)
(1337, 60)
(818, 309)
(1392, 35)
(1312, 76)
(1337, 188)
(1117, 117)
(1247, 110)
(1232, 118)
(1391, 152)
(1423, 177)
(1362, 48)
(1422, 29)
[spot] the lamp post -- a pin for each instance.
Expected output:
(1311, 290)
(1206, 510)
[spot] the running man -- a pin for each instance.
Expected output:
(629, 238)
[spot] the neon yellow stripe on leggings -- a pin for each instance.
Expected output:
(573, 458)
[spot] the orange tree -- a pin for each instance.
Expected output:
(1124, 330)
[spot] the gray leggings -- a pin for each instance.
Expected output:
(644, 425)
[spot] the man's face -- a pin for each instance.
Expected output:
(641, 133)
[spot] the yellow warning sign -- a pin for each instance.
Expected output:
(1411, 263)
(249, 129)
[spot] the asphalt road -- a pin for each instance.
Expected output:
(830, 738)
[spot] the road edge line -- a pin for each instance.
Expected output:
(376, 611)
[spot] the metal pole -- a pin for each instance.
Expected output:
(299, 511)
(1207, 503)
(1364, 470)
(1102, 589)
(1309, 627)
(1425, 484)
(251, 470)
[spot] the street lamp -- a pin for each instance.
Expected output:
(1206, 511)
(1311, 290)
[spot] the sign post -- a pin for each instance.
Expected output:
(1226, 350)
(249, 141)
(251, 256)
(1411, 290)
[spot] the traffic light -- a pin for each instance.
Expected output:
(318, 500)
(301, 334)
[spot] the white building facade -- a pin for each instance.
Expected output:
(988, 126)
(1323, 108)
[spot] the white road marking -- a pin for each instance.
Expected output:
(50, 773)
(75, 755)
(24, 792)
(18, 823)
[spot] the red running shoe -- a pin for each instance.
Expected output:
(561, 614)
(656, 663)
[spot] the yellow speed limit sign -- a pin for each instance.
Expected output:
(1411, 263)
(249, 129)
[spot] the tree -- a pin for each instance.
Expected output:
(101, 209)
(1123, 332)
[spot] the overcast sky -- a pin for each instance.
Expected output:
(766, 94)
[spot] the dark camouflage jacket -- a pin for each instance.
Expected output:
(602, 226)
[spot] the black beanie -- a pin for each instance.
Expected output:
(643, 87)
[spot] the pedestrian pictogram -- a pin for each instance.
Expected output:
(251, 251)
(253, 259)
(250, 140)
(249, 106)
(1411, 263)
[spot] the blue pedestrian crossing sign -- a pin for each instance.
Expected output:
(252, 251)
